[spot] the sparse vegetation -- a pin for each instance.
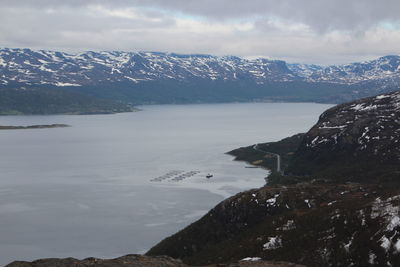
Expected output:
(54, 101)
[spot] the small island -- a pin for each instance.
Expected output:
(33, 127)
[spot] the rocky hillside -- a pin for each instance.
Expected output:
(340, 205)
(358, 141)
(310, 224)
(140, 261)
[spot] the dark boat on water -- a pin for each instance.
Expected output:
(208, 176)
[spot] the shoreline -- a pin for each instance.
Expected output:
(44, 126)
(67, 113)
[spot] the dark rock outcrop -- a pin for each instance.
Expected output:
(358, 141)
(310, 224)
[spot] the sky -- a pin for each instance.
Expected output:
(303, 31)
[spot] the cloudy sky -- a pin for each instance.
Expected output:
(310, 31)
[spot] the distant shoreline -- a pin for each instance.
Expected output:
(33, 127)
(17, 113)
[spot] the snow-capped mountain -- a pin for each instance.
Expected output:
(89, 68)
(387, 67)
(92, 68)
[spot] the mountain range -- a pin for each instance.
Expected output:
(93, 68)
(134, 78)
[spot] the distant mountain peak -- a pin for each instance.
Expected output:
(46, 67)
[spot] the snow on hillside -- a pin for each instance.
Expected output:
(58, 68)
(92, 68)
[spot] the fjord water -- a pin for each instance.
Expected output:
(85, 190)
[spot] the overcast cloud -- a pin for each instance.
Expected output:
(311, 31)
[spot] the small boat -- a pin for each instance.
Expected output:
(208, 176)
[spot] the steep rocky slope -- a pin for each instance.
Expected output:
(358, 141)
(311, 224)
(320, 222)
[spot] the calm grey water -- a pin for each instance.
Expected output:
(86, 191)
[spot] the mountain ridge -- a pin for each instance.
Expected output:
(123, 79)
(56, 68)
(362, 134)
(139, 78)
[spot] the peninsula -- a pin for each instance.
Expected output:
(44, 126)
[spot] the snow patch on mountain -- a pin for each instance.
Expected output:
(93, 68)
